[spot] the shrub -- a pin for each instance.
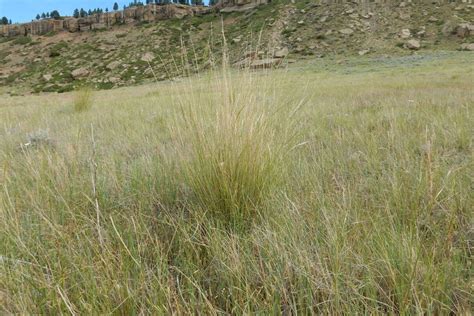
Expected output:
(83, 100)
(22, 40)
(54, 53)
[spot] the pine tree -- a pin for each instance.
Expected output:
(43, 16)
(55, 15)
(76, 13)
(82, 13)
(38, 16)
(4, 20)
(116, 6)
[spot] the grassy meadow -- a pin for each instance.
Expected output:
(318, 189)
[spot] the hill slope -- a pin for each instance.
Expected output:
(127, 55)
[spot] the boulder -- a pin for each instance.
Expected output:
(281, 53)
(467, 46)
(363, 52)
(413, 44)
(79, 73)
(47, 77)
(464, 30)
(404, 16)
(421, 32)
(113, 65)
(405, 33)
(346, 31)
(148, 57)
(114, 79)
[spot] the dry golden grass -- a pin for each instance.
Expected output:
(357, 202)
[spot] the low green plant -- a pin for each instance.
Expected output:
(22, 40)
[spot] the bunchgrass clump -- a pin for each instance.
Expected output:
(83, 100)
(235, 137)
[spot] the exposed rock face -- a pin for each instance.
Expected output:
(227, 3)
(148, 13)
(239, 5)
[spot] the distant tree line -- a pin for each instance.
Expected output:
(5, 21)
(81, 13)
(49, 15)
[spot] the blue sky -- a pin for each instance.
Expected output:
(26, 10)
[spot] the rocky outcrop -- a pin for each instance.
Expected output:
(228, 6)
(148, 13)
(226, 3)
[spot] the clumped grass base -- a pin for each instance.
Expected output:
(373, 215)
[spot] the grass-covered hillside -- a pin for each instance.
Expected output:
(131, 54)
(325, 188)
